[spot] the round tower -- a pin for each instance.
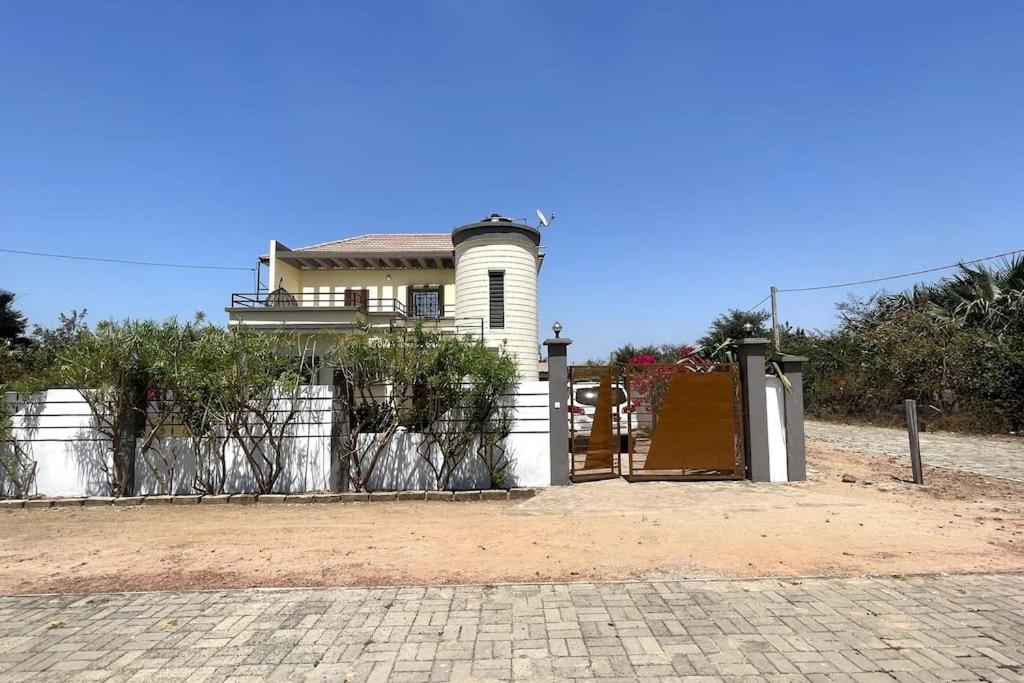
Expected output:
(496, 264)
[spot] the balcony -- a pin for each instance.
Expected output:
(280, 300)
(315, 311)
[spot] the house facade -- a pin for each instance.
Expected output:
(479, 280)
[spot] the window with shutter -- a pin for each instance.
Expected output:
(357, 298)
(497, 299)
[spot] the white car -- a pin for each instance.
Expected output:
(584, 403)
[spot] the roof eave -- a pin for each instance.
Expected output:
(367, 260)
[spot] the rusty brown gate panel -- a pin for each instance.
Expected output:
(597, 422)
(685, 422)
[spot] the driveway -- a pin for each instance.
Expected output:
(965, 627)
(600, 531)
(995, 456)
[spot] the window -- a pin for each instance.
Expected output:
(497, 298)
(588, 396)
(357, 298)
(425, 302)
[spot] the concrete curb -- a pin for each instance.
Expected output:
(326, 497)
(298, 498)
(782, 578)
(353, 497)
(476, 495)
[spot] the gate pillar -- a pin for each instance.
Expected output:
(755, 407)
(558, 407)
(793, 368)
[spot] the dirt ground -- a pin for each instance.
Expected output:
(594, 531)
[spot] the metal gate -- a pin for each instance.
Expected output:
(685, 421)
(597, 422)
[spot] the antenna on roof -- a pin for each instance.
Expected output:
(544, 220)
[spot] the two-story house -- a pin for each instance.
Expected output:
(478, 280)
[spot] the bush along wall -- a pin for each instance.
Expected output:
(244, 397)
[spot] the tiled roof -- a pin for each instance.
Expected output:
(385, 243)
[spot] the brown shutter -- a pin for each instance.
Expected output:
(357, 298)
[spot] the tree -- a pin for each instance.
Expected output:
(12, 321)
(27, 367)
(662, 353)
(261, 397)
(733, 325)
(17, 468)
(493, 379)
(170, 353)
(463, 402)
(112, 368)
(381, 373)
(200, 383)
(453, 391)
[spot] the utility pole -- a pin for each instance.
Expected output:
(775, 318)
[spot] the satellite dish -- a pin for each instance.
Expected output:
(544, 220)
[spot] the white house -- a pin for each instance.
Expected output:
(479, 280)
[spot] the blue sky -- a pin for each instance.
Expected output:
(694, 152)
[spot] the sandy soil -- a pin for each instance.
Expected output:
(600, 530)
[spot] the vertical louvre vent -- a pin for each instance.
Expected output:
(497, 298)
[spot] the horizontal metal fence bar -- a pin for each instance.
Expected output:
(290, 423)
(260, 437)
(20, 404)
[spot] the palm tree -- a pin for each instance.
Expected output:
(986, 297)
(12, 321)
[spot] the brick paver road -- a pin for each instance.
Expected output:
(991, 455)
(921, 628)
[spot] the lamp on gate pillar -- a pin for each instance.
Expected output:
(558, 392)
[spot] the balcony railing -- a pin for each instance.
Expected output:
(457, 327)
(282, 300)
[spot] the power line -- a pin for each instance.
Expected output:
(775, 313)
(896, 277)
(758, 304)
(123, 261)
(887, 277)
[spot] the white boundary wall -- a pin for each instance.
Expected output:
(71, 456)
(528, 449)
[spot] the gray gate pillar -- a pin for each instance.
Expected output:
(755, 407)
(793, 369)
(558, 407)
